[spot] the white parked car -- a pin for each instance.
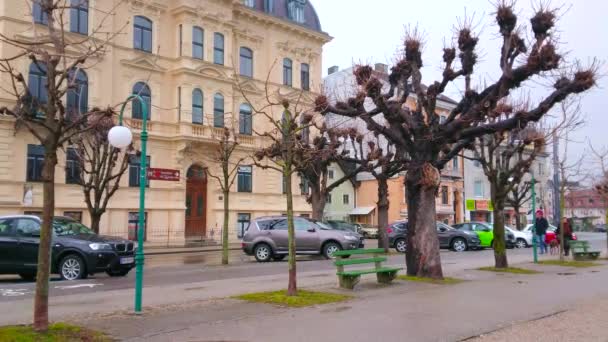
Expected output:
(523, 238)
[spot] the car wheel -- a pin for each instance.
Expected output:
(401, 245)
(459, 245)
(118, 273)
(262, 252)
(278, 257)
(72, 267)
(28, 276)
(329, 249)
(521, 243)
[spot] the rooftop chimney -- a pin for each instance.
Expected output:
(381, 67)
(333, 69)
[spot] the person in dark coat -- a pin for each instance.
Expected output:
(541, 224)
(567, 235)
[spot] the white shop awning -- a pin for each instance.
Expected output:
(362, 210)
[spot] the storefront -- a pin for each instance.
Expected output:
(479, 210)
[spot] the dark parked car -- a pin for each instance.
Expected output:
(266, 238)
(600, 228)
(449, 237)
(76, 250)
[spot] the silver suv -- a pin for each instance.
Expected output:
(266, 238)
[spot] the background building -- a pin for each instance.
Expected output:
(183, 57)
(586, 205)
(341, 200)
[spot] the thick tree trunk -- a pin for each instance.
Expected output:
(292, 289)
(225, 225)
(317, 202)
(95, 221)
(517, 218)
(422, 256)
(499, 243)
(383, 205)
(41, 298)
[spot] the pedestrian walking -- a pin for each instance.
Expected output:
(567, 234)
(541, 225)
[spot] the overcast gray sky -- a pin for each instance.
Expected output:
(372, 31)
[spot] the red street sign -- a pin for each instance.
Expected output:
(163, 174)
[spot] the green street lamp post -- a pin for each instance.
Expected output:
(535, 237)
(121, 137)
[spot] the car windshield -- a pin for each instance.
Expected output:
(63, 227)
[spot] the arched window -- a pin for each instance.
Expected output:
(197, 106)
(79, 16)
(37, 83)
(78, 94)
(142, 34)
(197, 42)
(245, 119)
(287, 71)
(305, 76)
(218, 110)
(218, 48)
(246, 62)
(141, 89)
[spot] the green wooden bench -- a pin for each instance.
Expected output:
(580, 250)
(376, 256)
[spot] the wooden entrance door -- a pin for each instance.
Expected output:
(196, 202)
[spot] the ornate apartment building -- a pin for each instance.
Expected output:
(192, 61)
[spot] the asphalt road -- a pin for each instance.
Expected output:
(165, 270)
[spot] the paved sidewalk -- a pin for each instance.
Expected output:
(404, 311)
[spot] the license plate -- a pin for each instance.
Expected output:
(129, 260)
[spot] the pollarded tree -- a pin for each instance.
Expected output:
(505, 157)
(417, 131)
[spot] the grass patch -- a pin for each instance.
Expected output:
(58, 332)
(304, 298)
(569, 263)
(444, 281)
(513, 270)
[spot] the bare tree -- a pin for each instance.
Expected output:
(520, 195)
(101, 168)
(48, 118)
(224, 155)
(430, 143)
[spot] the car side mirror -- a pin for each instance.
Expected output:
(311, 230)
(35, 234)
(442, 229)
(487, 230)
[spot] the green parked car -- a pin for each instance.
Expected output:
(485, 233)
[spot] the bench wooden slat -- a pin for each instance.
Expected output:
(370, 271)
(359, 251)
(343, 262)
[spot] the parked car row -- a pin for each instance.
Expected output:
(76, 252)
(457, 240)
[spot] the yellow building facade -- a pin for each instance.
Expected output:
(197, 62)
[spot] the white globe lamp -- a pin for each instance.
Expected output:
(120, 136)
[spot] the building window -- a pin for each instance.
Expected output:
(328, 198)
(72, 167)
(79, 16)
(39, 15)
(37, 86)
(243, 221)
(305, 76)
(442, 119)
(268, 6)
(181, 39)
(283, 185)
(78, 94)
(218, 110)
(478, 188)
(249, 3)
(330, 174)
(141, 89)
(345, 199)
(35, 162)
(245, 120)
(444, 195)
(476, 163)
(540, 169)
(305, 187)
(218, 48)
(142, 34)
(197, 42)
(295, 10)
(134, 169)
(244, 181)
(455, 163)
(75, 215)
(287, 71)
(133, 225)
(197, 106)
(246, 62)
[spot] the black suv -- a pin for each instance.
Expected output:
(76, 250)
